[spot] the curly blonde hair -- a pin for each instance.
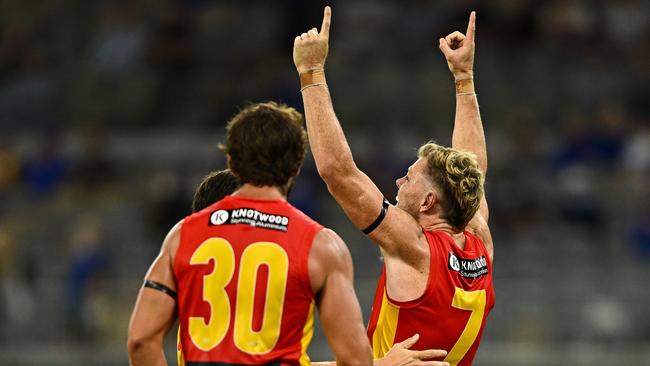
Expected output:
(456, 173)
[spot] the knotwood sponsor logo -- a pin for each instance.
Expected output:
(249, 216)
(470, 268)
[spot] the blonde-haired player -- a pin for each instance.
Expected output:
(437, 278)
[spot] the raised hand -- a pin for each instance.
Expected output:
(458, 49)
(310, 48)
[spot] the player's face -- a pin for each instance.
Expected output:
(412, 188)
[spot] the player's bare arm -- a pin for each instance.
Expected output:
(468, 133)
(155, 309)
(399, 234)
(331, 276)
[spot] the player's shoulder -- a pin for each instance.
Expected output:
(173, 239)
(328, 244)
(175, 231)
(327, 235)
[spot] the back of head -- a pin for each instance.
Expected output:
(266, 144)
(460, 181)
(214, 187)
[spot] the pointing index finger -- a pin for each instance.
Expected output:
(409, 342)
(471, 26)
(327, 16)
(430, 353)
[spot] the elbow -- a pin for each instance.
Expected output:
(135, 343)
(335, 163)
(133, 346)
(333, 170)
(327, 171)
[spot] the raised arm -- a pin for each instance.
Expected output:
(353, 190)
(155, 310)
(468, 131)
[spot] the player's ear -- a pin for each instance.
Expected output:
(429, 201)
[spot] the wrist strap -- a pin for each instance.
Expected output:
(311, 85)
(312, 78)
(465, 86)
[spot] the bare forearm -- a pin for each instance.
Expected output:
(326, 139)
(468, 132)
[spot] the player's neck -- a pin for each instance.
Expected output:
(262, 193)
(435, 223)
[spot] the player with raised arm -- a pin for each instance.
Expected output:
(437, 247)
(245, 274)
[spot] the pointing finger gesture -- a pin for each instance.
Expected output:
(458, 49)
(310, 49)
(325, 27)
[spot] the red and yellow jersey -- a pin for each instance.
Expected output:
(244, 294)
(452, 311)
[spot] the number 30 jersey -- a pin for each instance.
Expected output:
(244, 294)
(452, 311)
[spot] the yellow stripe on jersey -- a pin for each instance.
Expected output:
(473, 301)
(384, 335)
(307, 333)
(179, 348)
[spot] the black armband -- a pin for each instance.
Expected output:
(379, 219)
(160, 287)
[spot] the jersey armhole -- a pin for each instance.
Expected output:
(308, 239)
(427, 289)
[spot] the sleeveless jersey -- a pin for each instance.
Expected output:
(452, 311)
(244, 294)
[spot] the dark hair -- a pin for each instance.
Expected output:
(266, 143)
(214, 187)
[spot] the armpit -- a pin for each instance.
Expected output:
(480, 228)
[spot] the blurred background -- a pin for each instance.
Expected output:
(111, 111)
